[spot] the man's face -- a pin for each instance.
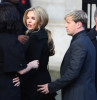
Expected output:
(96, 19)
(14, 1)
(70, 26)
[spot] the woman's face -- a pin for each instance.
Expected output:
(31, 21)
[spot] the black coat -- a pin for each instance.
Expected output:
(77, 70)
(93, 36)
(36, 48)
(11, 61)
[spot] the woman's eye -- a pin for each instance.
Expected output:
(33, 18)
(27, 18)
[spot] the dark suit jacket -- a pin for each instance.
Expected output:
(77, 70)
(93, 36)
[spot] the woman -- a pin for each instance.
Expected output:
(38, 47)
(12, 60)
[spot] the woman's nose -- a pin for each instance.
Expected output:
(29, 20)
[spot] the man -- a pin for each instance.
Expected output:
(21, 37)
(78, 66)
(93, 36)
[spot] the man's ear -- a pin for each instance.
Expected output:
(79, 24)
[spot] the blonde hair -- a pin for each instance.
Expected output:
(41, 16)
(78, 15)
(42, 20)
(51, 43)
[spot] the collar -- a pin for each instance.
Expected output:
(39, 34)
(78, 35)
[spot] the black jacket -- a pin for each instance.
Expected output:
(77, 70)
(36, 48)
(93, 36)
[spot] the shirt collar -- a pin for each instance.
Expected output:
(78, 34)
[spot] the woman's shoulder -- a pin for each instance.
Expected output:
(42, 34)
(39, 34)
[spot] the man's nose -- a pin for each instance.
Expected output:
(65, 25)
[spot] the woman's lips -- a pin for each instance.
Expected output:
(29, 25)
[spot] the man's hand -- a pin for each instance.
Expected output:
(22, 38)
(43, 88)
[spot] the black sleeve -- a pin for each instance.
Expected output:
(77, 57)
(13, 55)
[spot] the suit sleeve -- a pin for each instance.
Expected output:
(14, 59)
(72, 71)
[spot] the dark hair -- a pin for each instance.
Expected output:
(9, 18)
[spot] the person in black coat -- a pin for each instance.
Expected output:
(12, 60)
(93, 36)
(78, 66)
(38, 47)
(21, 33)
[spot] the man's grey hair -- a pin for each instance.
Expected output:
(78, 16)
